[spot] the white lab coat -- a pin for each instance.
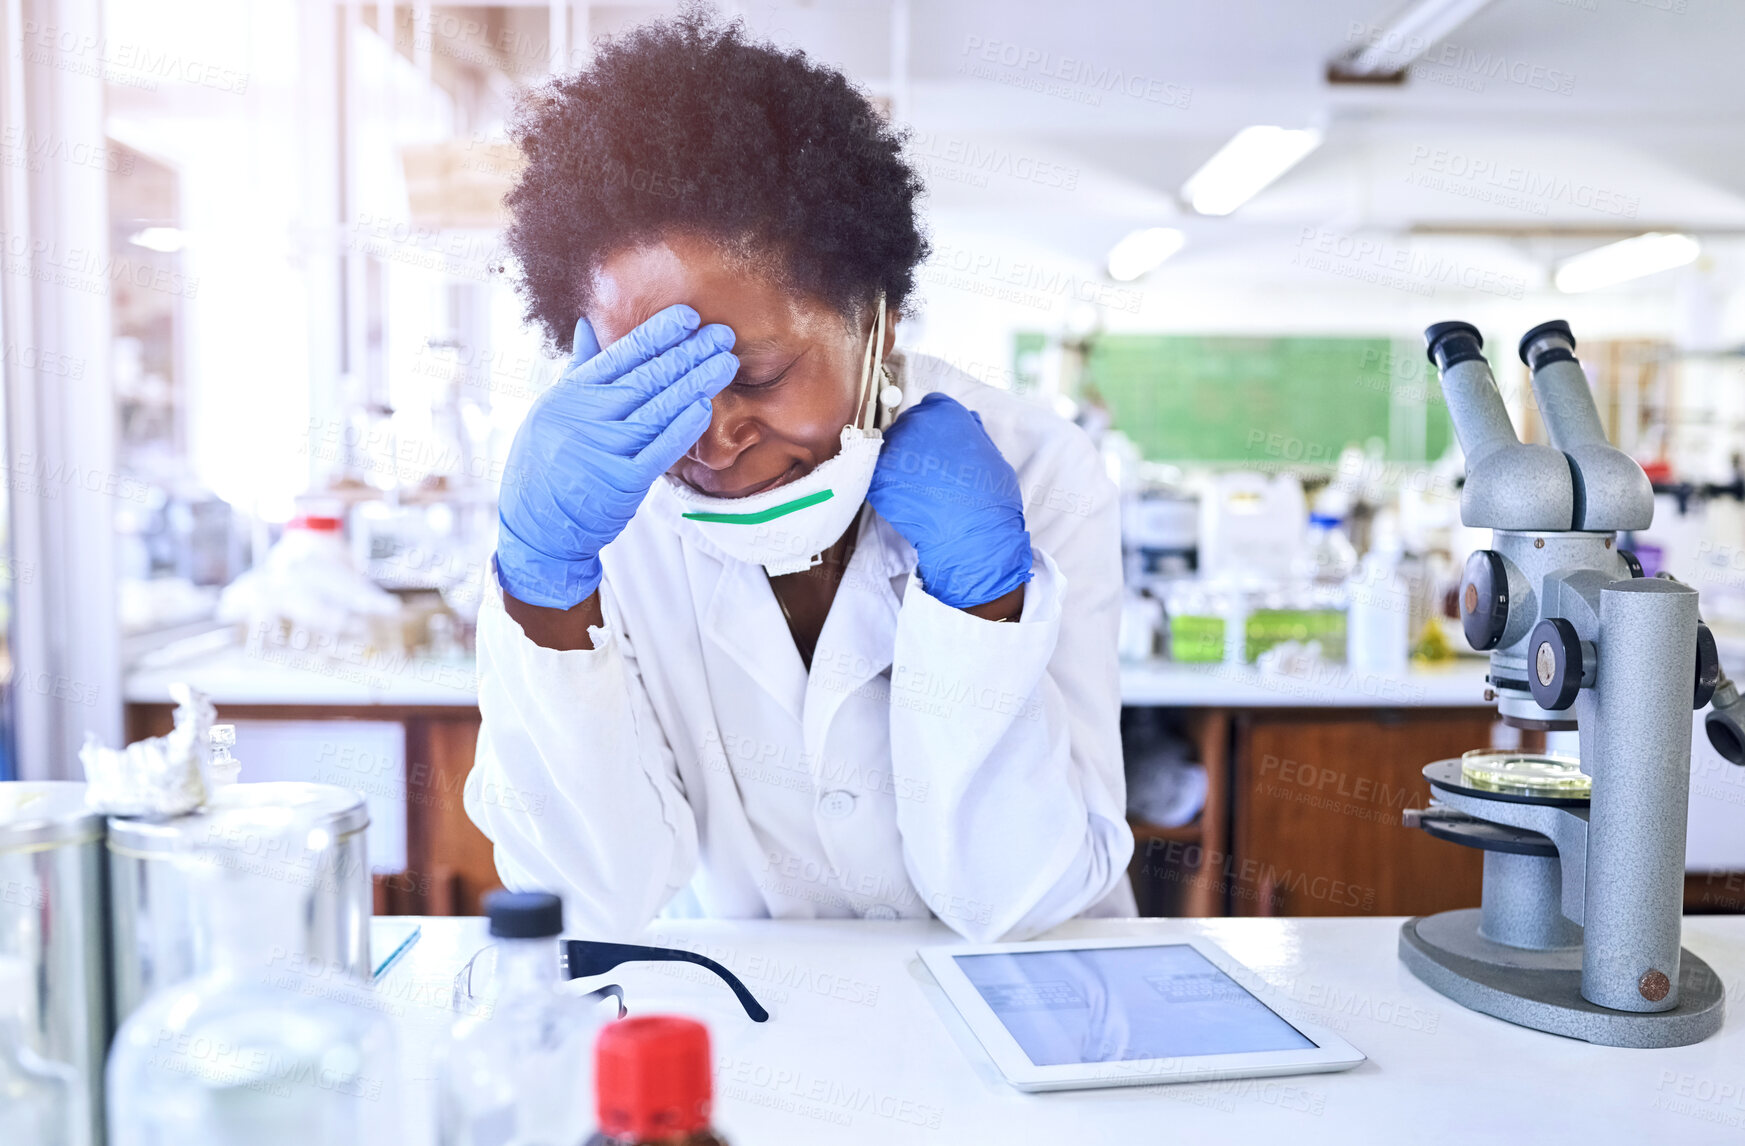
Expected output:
(931, 762)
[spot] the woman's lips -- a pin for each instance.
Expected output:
(783, 478)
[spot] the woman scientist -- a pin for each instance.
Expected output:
(790, 625)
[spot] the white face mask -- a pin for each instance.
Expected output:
(787, 529)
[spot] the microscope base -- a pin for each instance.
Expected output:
(1542, 989)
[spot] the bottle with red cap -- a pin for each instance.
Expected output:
(655, 1083)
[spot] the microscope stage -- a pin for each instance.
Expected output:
(1450, 775)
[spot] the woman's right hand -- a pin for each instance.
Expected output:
(595, 442)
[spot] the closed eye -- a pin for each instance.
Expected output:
(752, 382)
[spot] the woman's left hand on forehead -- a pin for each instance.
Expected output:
(944, 485)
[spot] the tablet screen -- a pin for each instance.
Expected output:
(1115, 1004)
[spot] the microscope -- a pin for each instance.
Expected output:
(1579, 929)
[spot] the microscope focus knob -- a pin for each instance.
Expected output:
(1484, 600)
(1556, 664)
(1708, 666)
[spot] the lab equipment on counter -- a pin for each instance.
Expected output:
(271, 1044)
(1580, 924)
(40, 1099)
(517, 1066)
(1074, 1014)
(1141, 624)
(54, 1014)
(221, 766)
(156, 936)
(308, 595)
(1251, 526)
(1378, 619)
(1197, 616)
(1160, 532)
(1328, 555)
(656, 1084)
(159, 776)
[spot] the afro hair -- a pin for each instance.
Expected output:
(687, 126)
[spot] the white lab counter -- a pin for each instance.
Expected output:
(234, 675)
(283, 676)
(856, 1050)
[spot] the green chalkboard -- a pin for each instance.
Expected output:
(1263, 400)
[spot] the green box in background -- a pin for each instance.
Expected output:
(1264, 402)
(1196, 639)
(1267, 628)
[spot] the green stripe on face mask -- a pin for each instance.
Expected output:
(762, 515)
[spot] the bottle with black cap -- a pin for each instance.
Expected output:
(520, 1069)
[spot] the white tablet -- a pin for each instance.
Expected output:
(1078, 1013)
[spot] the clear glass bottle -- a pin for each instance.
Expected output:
(38, 1098)
(269, 1046)
(222, 767)
(519, 1070)
(1331, 559)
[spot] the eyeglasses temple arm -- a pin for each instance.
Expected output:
(583, 957)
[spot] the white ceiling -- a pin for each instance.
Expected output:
(1646, 131)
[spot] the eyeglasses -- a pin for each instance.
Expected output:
(583, 958)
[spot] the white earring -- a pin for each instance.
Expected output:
(890, 397)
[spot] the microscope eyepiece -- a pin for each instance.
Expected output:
(1446, 343)
(1725, 735)
(1548, 342)
(1723, 725)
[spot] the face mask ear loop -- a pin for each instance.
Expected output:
(871, 363)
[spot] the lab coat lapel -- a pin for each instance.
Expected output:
(860, 632)
(744, 619)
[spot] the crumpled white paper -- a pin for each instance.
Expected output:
(161, 776)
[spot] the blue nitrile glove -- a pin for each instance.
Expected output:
(595, 442)
(943, 484)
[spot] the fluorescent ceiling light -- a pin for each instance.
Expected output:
(1142, 252)
(1389, 49)
(1253, 158)
(1628, 259)
(165, 240)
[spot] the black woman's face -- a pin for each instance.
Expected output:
(799, 362)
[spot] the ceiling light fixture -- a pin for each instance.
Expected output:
(1254, 157)
(1384, 51)
(1141, 252)
(1624, 260)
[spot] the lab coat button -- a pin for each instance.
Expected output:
(881, 912)
(836, 804)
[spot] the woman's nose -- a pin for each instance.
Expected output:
(731, 432)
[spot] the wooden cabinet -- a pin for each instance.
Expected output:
(1316, 798)
(1302, 816)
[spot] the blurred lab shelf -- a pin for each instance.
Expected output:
(1459, 684)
